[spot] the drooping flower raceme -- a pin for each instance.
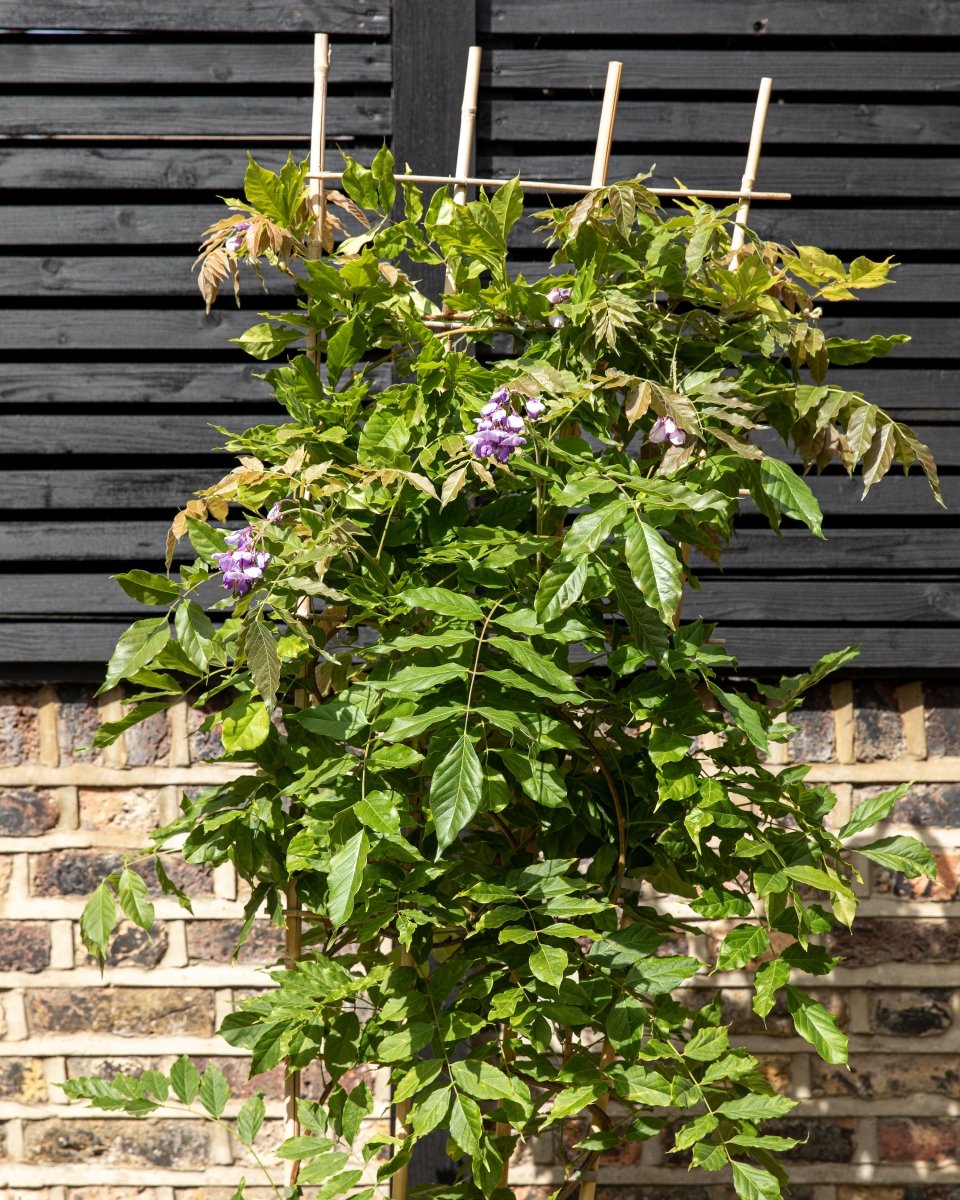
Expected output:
(665, 429)
(500, 427)
(558, 295)
(243, 565)
(236, 238)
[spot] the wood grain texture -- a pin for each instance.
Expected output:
(97, 489)
(144, 117)
(846, 552)
(151, 276)
(351, 17)
(38, 62)
(788, 122)
(220, 169)
(66, 542)
(34, 385)
(813, 18)
(798, 602)
(722, 69)
(179, 435)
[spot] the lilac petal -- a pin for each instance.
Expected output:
(535, 408)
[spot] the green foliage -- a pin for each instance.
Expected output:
(481, 743)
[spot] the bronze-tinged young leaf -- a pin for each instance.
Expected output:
(217, 265)
(879, 457)
(638, 401)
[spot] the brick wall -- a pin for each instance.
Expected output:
(888, 1125)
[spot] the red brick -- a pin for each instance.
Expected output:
(78, 872)
(129, 1012)
(77, 723)
(815, 740)
(22, 1079)
(130, 946)
(127, 810)
(215, 941)
(943, 719)
(738, 1010)
(879, 1075)
(922, 1013)
(27, 812)
(829, 1140)
(18, 726)
(203, 746)
(122, 1142)
(109, 1066)
(930, 1139)
(877, 940)
(925, 804)
(24, 946)
(148, 744)
(945, 887)
(878, 724)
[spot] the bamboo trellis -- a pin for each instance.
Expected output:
(461, 180)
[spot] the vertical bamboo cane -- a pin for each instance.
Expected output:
(750, 173)
(468, 126)
(608, 117)
(293, 931)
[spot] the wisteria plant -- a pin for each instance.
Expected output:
(502, 777)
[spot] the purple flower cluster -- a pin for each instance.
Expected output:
(243, 565)
(236, 238)
(665, 429)
(500, 427)
(558, 295)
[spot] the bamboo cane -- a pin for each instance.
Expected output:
(293, 921)
(750, 172)
(608, 117)
(579, 189)
(468, 126)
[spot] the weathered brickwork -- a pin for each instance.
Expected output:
(886, 1129)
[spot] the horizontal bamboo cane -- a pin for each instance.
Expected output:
(579, 189)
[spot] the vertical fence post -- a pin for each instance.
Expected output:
(430, 43)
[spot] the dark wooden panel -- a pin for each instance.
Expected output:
(83, 541)
(896, 231)
(883, 650)
(93, 491)
(41, 62)
(719, 69)
(121, 275)
(351, 17)
(772, 601)
(431, 40)
(169, 117)
(32, 384)
(790, 648)
(680, 18)
(55, 595)
(177, 434)
(221, 170)
(108, 224)
(850, 551)
(931, 337)
(160, 330)
(788, 122)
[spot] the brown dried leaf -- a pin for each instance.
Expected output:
(420, 482)
(344, 202)
(393, 275)
(638, 401)
(218, 508)
(452, 486)
(216, 266)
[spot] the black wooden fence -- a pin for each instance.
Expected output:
(121, 123)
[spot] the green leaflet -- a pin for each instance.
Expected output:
(655, 567)
(455, 791)
(816, 1026)
(590, 530)
(263, 659)
(346, 873)
(137, 647)
(97, 921)
(560, 588)
(443, 601)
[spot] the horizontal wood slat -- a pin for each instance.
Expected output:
(206, 170)
(70, 489)
(162, 330)
(845, 552)
(722, 69)
(173, 275)
(349, 17)
(732, 600)
(34, 385)
(680, 18)
(758, 648)
(180, 435)
(788, 122)
(143, 117)
(217, 64)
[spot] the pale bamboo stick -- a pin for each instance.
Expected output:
(750, 173)
(293, 921)
(579, 189)
(468, 126)
(608, 117)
